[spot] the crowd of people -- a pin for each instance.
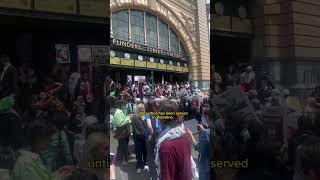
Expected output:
(49, 127)
(162, 146)
(238, 139)
(58, 127)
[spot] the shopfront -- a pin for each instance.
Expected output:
(49, 34)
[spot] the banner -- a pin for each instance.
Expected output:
(19, 4)
(97, 8)
(85, 53)
(170, 68)
(100, 54)
(162, 66)
(62, 53)
(152, 65)
(139, 63)
(115, 61)
(58, 6)
(127, 62)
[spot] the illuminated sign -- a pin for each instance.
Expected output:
(139, 63)
(152, 65)
(170, 68)
(115, 60)
(127, 62)
(126, 44)
(162, 66)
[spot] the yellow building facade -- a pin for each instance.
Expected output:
(159, 33)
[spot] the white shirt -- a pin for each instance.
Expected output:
(5, 70)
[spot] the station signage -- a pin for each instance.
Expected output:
(152, 65)
(132, 45)
(115, 61)
(162, 66)
(170, 68)
(139, 63)
(178, 68)
(127, 62)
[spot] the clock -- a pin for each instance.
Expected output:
(151, 59)
(242, 12)
(170, 62)
(140, 57)
(219, 8)
(178, 64)
(161, 61)
(127, 55)
(112, 54)
(185, 65)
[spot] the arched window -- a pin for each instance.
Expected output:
(152, 34)
(163, 35)
(120, 25)
(137, 27)
(174, 43)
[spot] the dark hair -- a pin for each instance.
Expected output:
(151, 105)
(11, 131)
(120, 103)
(170, 106)
(310, 155)
(38, 129)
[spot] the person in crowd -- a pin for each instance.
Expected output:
(85, 88)
(28, 165)
(248, 79)
(139, 130)
(154, 128)
(310, 158)
(11, 137)
(216, 80)
(203, 147)
(122, 133)
(27, 79)
(58, 153)
(173, 150)
(74, 86)
(97, 149)
(8, 79)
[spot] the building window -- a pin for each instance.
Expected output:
(163, 36)
(137, 27)
(151, 25)
(120, 25)
(174, 43)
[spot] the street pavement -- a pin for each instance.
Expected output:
(129, 172)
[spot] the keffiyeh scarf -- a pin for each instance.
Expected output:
(169, 134)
